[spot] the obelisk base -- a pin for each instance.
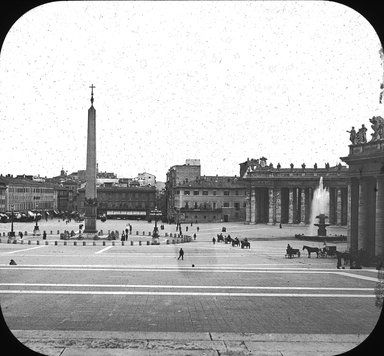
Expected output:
(90, 220)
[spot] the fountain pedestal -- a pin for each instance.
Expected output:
(321, 231)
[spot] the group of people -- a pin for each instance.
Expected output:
(125, 233)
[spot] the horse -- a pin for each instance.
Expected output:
(228, 239)
(342, 255)
(245, 243)
(311, 249)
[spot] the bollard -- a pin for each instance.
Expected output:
(21, 241)
(143, 233)
(103, 243)
(46, 242)
(139, 243)
(55, 243)
(147, 242)
(84, 243)
(29, 242)
(58, 232)
(38, 242)
(65, 243)
(74, 243)
(122, 243)
(131, 243)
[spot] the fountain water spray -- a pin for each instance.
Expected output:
(320, 205)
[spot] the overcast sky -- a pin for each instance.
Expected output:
(218, 81)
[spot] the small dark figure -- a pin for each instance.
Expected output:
(181, 254)
(281, 226)
(193, 265)
(44, 235)
(198, 229)
(191, 223)
(12, 262)
(21, 235)
(130, 229)
(338, 261)
(122, 236)
(126, 231)
(213, 240)
(186, 228)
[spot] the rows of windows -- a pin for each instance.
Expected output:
(214, 192)
(213, 205)
(30, 190)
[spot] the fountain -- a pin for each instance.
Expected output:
(319, 206)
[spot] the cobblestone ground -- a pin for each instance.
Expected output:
(115, 300)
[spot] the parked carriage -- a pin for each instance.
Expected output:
(292, 252)
(245, 243)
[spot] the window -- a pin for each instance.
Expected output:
(226, 205)
(226, 192)
(214, 192)
(236, 192)
(237, 206)
(186, 205)
(177, 192)
(195, 192)
(214, 205)
(205, 192)
(186, 192)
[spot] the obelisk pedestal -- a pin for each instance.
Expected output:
(90, 202)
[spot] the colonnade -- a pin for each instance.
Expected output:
(292, 205)
(366, 209)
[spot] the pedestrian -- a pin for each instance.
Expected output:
(280, 226)
(122, 236)
(126, 232)
(338, 260)
(181, 254)
(21, 235)
(130, 229)
(194, 236)
(198, 229)
(213, 240)
(191, 223)
(186, 228)
(44, 235)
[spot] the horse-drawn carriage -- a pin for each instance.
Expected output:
(291, 252)
(235, 242)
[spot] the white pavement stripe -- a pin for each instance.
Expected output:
(24, 249)
(156, 286)
(104, 249)
(352, 275)
(20, 291)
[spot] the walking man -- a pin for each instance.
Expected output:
(181, 254)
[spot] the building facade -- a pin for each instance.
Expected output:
(122, 202)
(284, 195)
(26, 194)
(366, 192)
(191, 197)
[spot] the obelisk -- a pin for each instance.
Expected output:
(90, 201)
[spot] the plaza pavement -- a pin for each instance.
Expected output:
(142, 300)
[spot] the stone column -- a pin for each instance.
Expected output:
(379, 224)
(338, 206)
(290, 210)
(272, 207)
(362, 218)
(248, 208)
(253, 206)
(353, 208)
(278, 204)
(302, 213)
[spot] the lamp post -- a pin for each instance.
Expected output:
(155, 233)
(12, 233)
(36, 230)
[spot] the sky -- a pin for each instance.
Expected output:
(215, 81)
